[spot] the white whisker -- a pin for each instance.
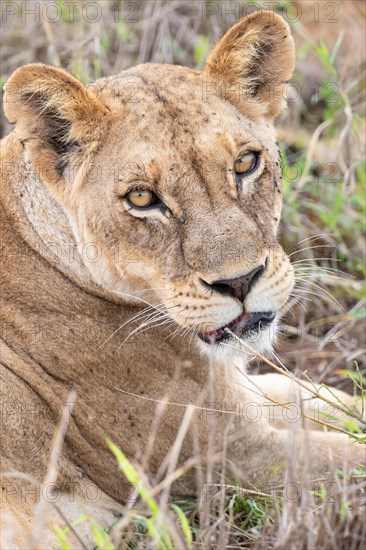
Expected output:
(135, 317)
(312, 248)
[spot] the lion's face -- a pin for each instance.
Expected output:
(171, 203)
(181, 192)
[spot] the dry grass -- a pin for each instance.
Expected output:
(323, 225)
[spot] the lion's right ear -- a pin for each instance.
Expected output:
(55, 116)
(253, 62)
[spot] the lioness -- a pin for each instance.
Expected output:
(149, 200)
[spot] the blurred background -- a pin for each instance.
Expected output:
(321, 136)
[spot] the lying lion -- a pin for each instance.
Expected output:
(148, 200)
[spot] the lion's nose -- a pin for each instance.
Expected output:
(238, 287)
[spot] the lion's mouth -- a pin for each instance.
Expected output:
(241, 326)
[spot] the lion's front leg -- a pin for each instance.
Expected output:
(260, 451)
(284, 402)
(262, 457)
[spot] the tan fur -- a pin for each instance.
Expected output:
(74, 153)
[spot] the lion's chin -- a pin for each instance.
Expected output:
(239, 351)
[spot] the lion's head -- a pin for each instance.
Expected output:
(175, 174)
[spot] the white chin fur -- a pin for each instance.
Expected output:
(232, 352)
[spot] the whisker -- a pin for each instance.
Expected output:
(317, 259)
(299, 300)
(295, 300)
(135, 317)
(310, 281)
(154, 323)
(320, 287)
(151, 289)
(318, 272)
(138, 329)
(133, 296)
(318, 292)
(313, 267)
(316, 236)
(312, 248)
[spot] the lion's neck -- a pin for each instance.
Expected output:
(54, 237)
(43, 223)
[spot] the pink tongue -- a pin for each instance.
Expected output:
(241, 319)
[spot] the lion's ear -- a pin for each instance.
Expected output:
(253, 61)
(55, 116)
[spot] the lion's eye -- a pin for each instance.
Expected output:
(142, 198)
(246, 164)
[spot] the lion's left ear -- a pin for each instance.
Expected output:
(253, 61)
(57, 118)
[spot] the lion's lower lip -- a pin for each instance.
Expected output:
(239, 326)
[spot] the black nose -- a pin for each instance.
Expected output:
(238, 287)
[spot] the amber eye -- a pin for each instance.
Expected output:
(246, 164)
(142, 198)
